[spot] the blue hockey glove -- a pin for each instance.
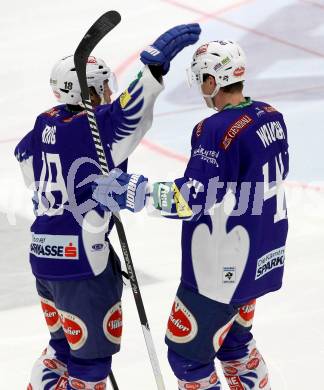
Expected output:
(168, 45)
(120, 190)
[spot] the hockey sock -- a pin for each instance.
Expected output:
(88, 374)
(49, 371)
(248, 372)
(193, 375)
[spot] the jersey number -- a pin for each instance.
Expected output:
(276, 188)
(51, 183)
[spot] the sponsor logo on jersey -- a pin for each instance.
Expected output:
(270, 261)
(124, 98)
(99, 247)
(259, 112)
(246, 314)
(49, 135)
(229, 275)
(271, 132)
(74, 329)
(55, 246)
(113, 323)
(269, 109)
(182, 325)
(202, 49)
(199, 128)
(52, 317)
(232, 132)
(221, 334)
(210, 156)
(238, 72)
(234, 382)
(53, 112)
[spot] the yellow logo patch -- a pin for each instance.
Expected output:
(183, 209)
(125, 97)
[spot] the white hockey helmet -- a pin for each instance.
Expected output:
(225, 60)
(65, 84)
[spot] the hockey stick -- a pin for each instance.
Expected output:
(96, 32)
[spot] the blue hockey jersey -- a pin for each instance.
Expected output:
(232, 203)
(59, 163)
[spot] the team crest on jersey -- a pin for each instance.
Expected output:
(113, 323)
(74, 329)
(182, 325)
(52, 317)
(221, 334)
(246, 314)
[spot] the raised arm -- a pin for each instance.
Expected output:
(133, 110)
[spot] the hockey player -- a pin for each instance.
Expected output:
(78, 275)
(232, 204)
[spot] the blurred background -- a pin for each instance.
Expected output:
(284, 43)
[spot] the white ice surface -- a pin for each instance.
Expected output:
(288, 325)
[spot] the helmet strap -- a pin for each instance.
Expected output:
(209, 99)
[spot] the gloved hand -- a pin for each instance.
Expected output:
(120, 190)
(168, 45)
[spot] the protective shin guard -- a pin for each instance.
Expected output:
(193, 375)
(88, 374)
(249, 372)
(48, 372)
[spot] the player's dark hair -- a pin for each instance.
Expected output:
(232, 88)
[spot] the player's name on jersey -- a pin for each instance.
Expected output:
(271, 132)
